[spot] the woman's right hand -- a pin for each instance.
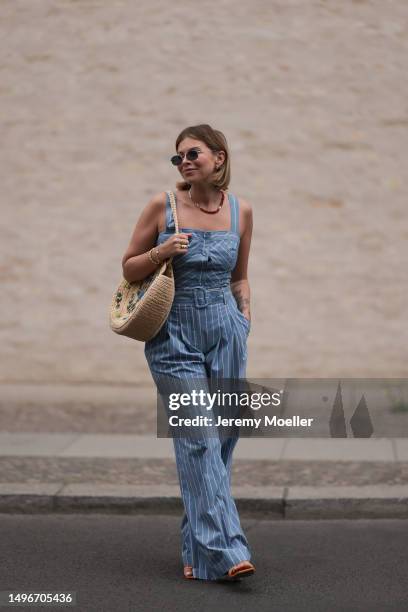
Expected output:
(136, 263)
(173, 245)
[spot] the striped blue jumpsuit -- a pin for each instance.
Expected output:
(205, 336)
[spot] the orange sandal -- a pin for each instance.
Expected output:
(241, 570)
(188, 572)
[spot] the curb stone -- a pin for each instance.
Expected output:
(277, 503)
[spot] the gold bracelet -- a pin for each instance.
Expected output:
(152, 258)
(158, 255)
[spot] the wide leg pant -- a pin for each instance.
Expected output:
(204, 339)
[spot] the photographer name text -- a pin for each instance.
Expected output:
(273, 421)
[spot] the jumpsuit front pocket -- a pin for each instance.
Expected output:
(246, 322)
(191, 330)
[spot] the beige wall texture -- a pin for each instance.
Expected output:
(312, 97)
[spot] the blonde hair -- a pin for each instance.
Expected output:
(216, 141)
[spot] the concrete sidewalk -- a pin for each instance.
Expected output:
(70, 472)
(149, 446)
(80, 448)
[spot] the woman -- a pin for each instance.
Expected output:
(205, 334)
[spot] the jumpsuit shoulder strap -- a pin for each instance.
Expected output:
(170, 225)
(234, 204)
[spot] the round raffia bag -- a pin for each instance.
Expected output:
(139, 309)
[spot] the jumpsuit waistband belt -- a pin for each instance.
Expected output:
(203, 296)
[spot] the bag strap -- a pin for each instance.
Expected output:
(174, 210)
(176, 225)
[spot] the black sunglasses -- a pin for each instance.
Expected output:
(191, 155)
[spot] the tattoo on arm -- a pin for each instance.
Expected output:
(242, 301)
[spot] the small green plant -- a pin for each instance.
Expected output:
(397, 396)
(399, 406)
